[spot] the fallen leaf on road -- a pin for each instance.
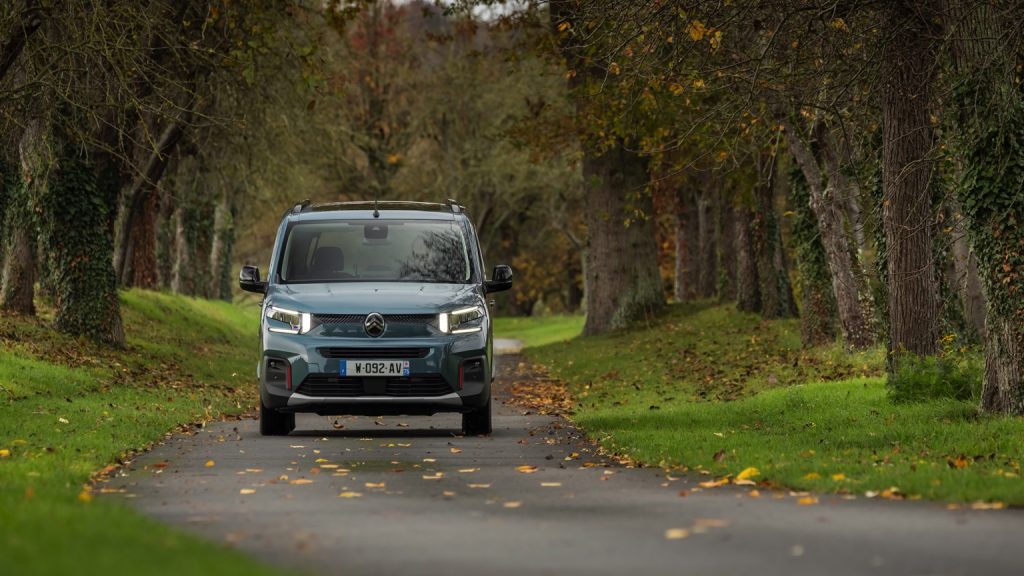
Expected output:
(254, 470)
(870, 494)
(301, 481)
(456, 450)
(210, 463)
(684, 493)
(321, 460)
(676, 533)
(479, 485)
(447, 493)
(283, 477)
(429, 460)
(296, 446)
(526, 469)
(807, 501)
(404, 445)
(512, 504)
(754, 494)
(350, 494)
(402, 425)
(987, 505)
(550, 484)
(704, 523)
(714, 483)
(246, 491)
(437, 476)
(468, 470)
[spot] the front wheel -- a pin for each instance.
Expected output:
(274, 423)
(478, 422)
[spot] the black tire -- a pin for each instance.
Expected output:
(478, 422)
(274, 423)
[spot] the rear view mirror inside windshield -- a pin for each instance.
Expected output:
(375, 232)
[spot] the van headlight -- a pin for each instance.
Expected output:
(288, 321)
(462, 321)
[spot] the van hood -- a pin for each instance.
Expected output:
(367, 297)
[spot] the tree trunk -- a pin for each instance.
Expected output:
(906, 179)
(846, 276)
(989, 118)
(687, 241)
(19, 272)
(818, 304)
(79, 201)
(623, 284)
(220, 252)
(181, 272)
(968, 281)
(727, 250)
(141, 270)
(772, 273)
(707, 211)
(748, 286)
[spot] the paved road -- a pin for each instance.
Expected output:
(411, 496)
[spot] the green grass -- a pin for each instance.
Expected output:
(70, 408)
(708, 380)
(539, 330)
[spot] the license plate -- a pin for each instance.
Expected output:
(374, 367)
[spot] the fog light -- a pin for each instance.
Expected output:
(279, 372)
(471, 371)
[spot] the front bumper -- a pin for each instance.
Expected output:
(314, 384)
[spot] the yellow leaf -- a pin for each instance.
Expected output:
(374, 485)
(614, 68)
(394, 159)
(301, 481)
(676, 533)
(322, 460)
(512, 504)
(526, 469)
(840, 24)
(812, 476)
(839, 477)
(210, 463)
(85, 496)
(456, 450)
(4, 452)
(479, 485)
(698, 83)
(563, 26)
(807, 501)
(748, 473)
(349, 494)
(437, 476)
(246, 491)
(550, 484)
(696, 30)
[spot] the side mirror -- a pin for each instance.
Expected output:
(501, 279)
(249, 280)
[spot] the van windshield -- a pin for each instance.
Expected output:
(378, 250)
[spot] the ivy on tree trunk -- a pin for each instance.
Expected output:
(78, 236)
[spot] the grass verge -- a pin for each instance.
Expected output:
(539, 330)
(714, 390)
(70, 408)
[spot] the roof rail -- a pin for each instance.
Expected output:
(301, 206)
(456, 209)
